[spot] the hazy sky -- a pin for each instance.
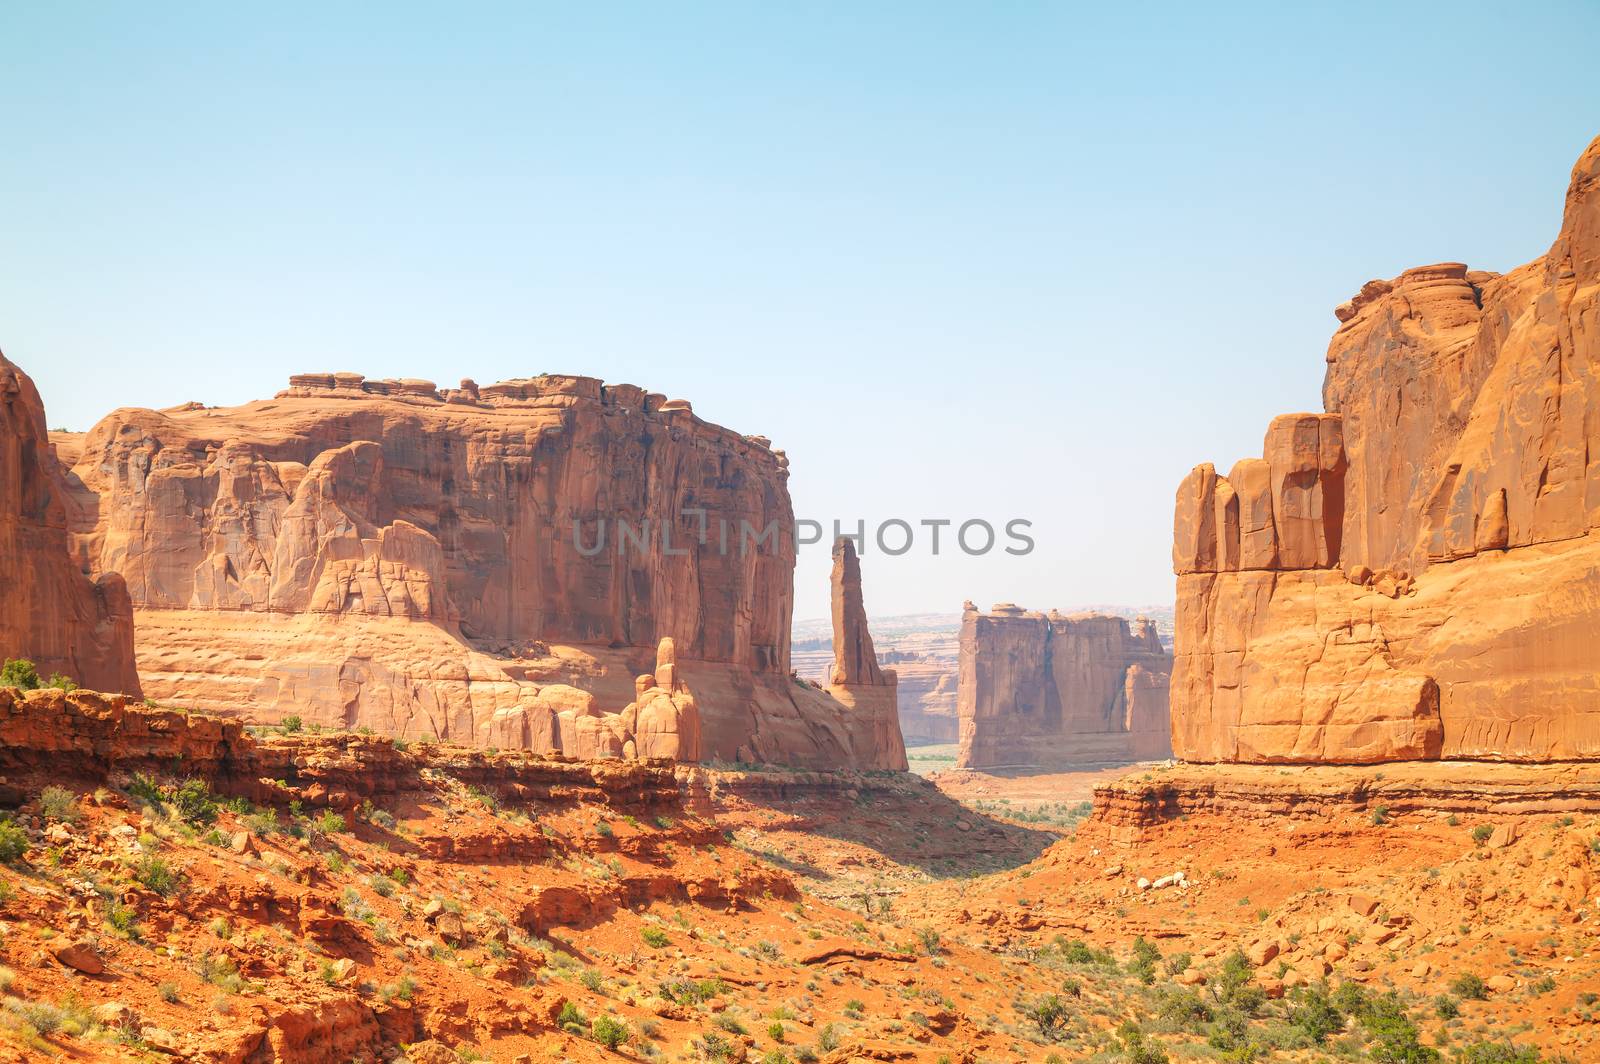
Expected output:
(982, 260)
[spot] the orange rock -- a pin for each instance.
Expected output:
(49, 613)
(1424, 581)
(428, 563)
(1048, 690)
(869, 692)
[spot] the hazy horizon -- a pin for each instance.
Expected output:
(958, 263)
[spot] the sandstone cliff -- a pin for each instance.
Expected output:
(1044, 690)
(549, 564)
(1416, 572)
(857, 681)
(50, 613)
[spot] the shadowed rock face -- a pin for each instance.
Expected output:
(549, 563)
(1416, 572)
(1046, 690)
(50, 613)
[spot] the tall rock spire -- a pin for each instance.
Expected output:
(858, 681)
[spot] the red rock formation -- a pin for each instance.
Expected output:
(50, 613)
(1416, 572)
(865, 689)
(505, 565)
(1047, 690)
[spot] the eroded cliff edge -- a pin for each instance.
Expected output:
(1414, 573)
(50, 613)
(549, 563)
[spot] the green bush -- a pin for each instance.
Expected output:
(13, 842)
(609, 1032)
(571, 1019)
(194, 803)
(775, 1031)
(330, 823)
(1467, 985)
(291, 725)
(1314, 1015)
(654, 936)
(1446, 1007)
(19, 672)
(1481, 833)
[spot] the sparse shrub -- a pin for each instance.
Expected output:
(1136, 1049)
(609, 1032)
(155, 874)
(1481, 833)
(1446, 1007)
(58, 803)
(654, 936)
(262, 824)
(13, 842)
(929, 937)
(122, 919)
(1145, 958)
(775, 1031)
(828, 1038)
(382, 818)
(330, 823)
(142, 788)
(713, 1047)
(169, 992)
(730, 1023)
(592, 980)
(1049, 1014)
(1503, 1052)
(1380, 815)
(1314, 1015)
(570, 1019)
(1469, 986)
(1182, 1010)
(194, 804)
(292, 724)
(604, 830)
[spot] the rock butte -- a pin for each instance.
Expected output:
(50, 613)
(550, 564)
(1047, 690)
(1416, 572)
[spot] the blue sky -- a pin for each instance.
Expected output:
(983, 260)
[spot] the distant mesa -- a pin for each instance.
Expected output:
(1051, 690)
(1415, 572)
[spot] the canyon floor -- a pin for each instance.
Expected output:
(496, 907)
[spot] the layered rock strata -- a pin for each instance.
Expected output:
(1047, 690)
(548, 564)
(50, 612)
(1415, 572)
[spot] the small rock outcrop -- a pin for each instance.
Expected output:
(858, 681)
(1047, 690)
(50, 613)
(1415, 572)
